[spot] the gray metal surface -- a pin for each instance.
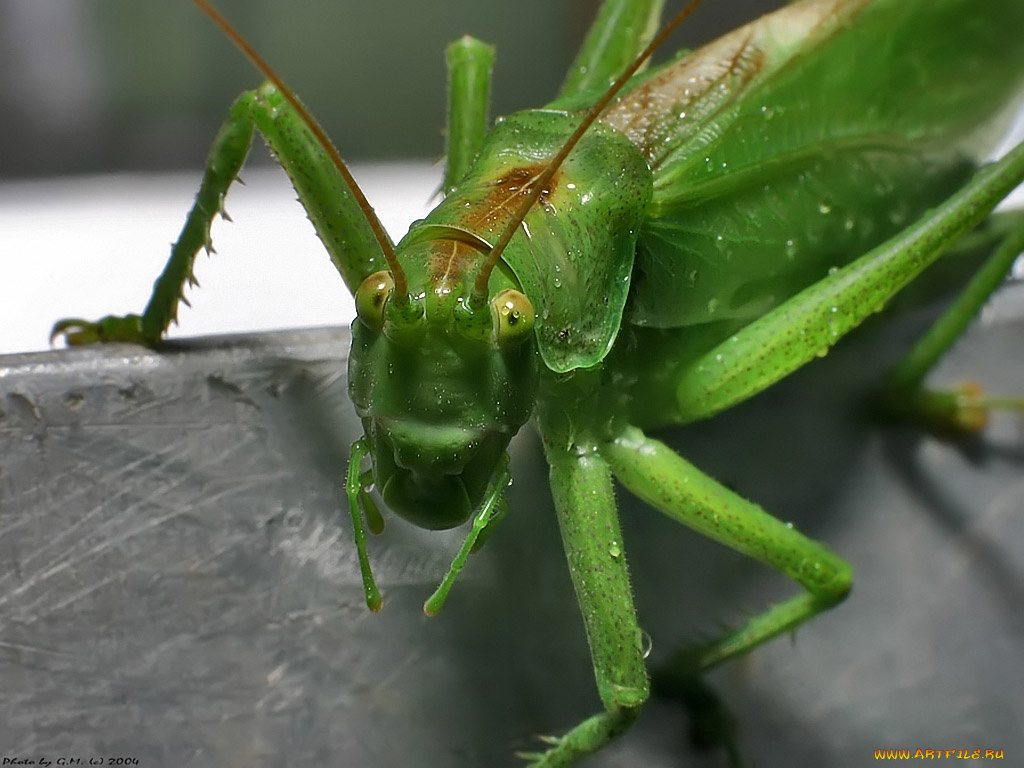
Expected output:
(178, 585)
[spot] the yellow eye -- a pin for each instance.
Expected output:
(513, 316)
(371, 297)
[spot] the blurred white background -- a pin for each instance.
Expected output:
(100, 94)
(110, 107)
(90, 246)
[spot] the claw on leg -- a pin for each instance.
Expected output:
(536, 758)
(961, 410)
(76, 332)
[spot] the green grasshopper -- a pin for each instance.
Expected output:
(650, 248)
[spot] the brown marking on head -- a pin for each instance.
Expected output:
(457, 250)
(494, 211)
(449, 260)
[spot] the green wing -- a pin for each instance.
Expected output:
(795, 143)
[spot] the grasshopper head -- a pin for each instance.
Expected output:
(441, 388)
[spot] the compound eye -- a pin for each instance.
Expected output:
(513, 316)
(371, 297)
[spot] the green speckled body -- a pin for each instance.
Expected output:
(728, 218)
(785, 149)
(714, 231)
(790, 145)
(730, 180)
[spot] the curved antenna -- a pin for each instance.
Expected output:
(401, 286)
(537, 185)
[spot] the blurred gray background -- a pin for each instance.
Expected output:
(99, 85)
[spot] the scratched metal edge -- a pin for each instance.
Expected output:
(177, 582)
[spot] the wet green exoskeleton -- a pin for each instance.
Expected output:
(642, 254)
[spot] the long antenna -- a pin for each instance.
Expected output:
(401, 286)
(537, 185)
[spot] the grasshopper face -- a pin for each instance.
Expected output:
(441, 389)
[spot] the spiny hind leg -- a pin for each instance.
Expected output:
(964, 408)
(226, 158)
(808, 324)
(341, 216)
